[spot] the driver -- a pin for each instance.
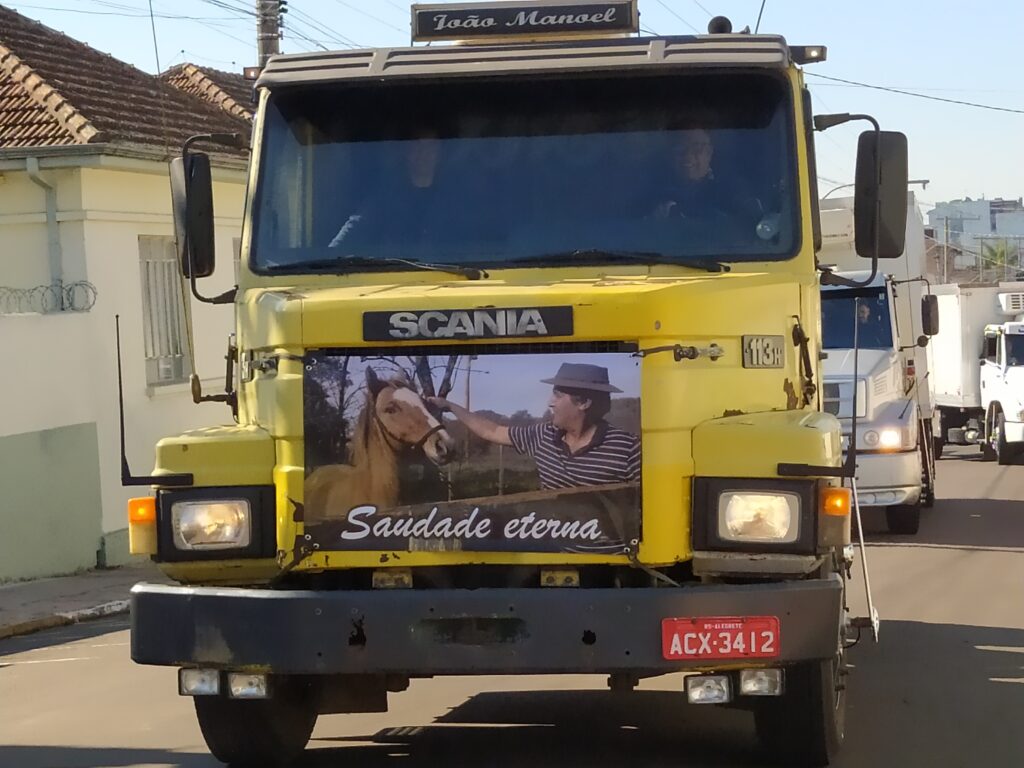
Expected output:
(870, 331)
(406, 214)
(694, 193)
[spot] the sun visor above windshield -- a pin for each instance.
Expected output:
(744, 51)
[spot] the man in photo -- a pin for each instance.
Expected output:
(577, 447)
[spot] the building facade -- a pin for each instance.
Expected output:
(86, 235)
(978, 240)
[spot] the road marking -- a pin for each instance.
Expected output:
(1001, 648)
(972, 547)
(48, 661)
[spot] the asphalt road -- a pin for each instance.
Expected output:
(944, 687)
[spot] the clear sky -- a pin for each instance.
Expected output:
(940, 48)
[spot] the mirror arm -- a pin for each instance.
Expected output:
(823, 123)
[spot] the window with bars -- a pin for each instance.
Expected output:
(163, 316)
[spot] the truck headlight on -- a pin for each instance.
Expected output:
(211, 524)
(896, 438)
(889, 439)
(759, 516)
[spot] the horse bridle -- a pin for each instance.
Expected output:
(398, 442)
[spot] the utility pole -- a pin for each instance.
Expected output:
(268, 29)
(469, 373)
(945, 252)
(945, 240)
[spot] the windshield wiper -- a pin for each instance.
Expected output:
(636, 257)
(343, 263)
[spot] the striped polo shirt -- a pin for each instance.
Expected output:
(613, 455)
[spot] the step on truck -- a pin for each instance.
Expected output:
(978, 364)
(875, 338)
(528, 382)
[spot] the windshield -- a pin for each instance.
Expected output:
(1014, 349)
(864, 311)
(493, 173)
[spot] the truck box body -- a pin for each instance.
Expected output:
(955, 352)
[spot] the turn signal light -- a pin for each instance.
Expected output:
(142, 510)
(836, 501)
(142, 526)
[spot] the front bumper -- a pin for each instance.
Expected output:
(885, 479)
(1014, 431)
(457, 632)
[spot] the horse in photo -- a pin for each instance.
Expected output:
(394, 421)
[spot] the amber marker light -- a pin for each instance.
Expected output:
(836, 501)
(142, 526)
(142, 510)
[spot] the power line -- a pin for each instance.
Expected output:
(709, 13)
(190, 55)
(129, 13)
(318, 28)
(152, 24)
(664, 5)
(224, 5)
(918, 95)
(371, 16)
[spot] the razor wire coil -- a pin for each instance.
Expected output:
(77, 296)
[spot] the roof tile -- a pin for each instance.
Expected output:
(70, 93)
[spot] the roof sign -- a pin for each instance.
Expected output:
(550, 18)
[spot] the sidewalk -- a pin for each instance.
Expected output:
(31, 606)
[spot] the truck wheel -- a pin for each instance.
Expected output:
(259, 732)
(805, 727)
(1005, 454)
(903, 519)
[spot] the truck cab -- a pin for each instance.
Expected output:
(528, 383)
(1002, 382)
(874, 337)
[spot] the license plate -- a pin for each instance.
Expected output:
(720, 637)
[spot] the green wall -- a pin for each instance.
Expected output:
(50, 502)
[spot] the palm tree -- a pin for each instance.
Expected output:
(999, 256)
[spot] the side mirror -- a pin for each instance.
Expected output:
(880, 202)
(192, 203)
(922, 341)
(930, 314)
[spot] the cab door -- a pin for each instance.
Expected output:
(992, 368)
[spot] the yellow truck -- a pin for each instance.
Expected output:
(527, 382)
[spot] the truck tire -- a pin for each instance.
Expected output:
(1004, 452)
(903, 519)
(260, 732)
(805, 727)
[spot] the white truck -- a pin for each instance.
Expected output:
(888, 321)
(978, 367)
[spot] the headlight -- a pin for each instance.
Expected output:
(759, 516)
(895, 438)
(889, 439)
(221, 524)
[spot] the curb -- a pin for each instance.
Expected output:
(113, 608)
